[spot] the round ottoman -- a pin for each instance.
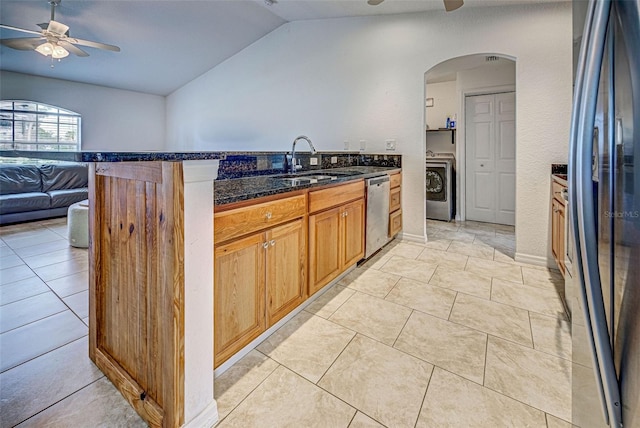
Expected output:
(78, 224)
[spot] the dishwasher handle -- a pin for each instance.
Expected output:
(377, 180)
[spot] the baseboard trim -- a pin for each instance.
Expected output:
(420, 239)
(531, 259)
(206, 418)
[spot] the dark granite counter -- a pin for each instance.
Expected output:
(242, 189)
(559, 173)
(113, 156)
(247, 175)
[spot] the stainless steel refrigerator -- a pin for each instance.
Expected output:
(604, 217)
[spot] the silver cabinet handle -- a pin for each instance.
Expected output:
(265, 245)
(268, 215)
(272, 242)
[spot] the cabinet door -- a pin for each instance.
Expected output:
(395, 201)
(554, 228)
(557, 233)
(352, 233)
(395, 223)
(239, 281)
(561, 232)
(286, 269)
(324, 247)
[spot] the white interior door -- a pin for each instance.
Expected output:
(490, 158)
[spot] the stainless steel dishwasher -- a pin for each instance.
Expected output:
(377, 214)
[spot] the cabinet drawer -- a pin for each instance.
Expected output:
(395, 223)
(395, 180)
(333, 196)
(557, 188)
(238, 222)
(395, 201)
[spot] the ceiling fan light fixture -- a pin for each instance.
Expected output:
(52, 49)
(45, 49)
(59, 52)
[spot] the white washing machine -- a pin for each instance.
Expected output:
(440, 186)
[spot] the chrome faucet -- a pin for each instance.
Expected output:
(296, 166)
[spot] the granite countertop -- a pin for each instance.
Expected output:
(85, 156)
(242, 189)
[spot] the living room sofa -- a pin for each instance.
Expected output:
(33, 192)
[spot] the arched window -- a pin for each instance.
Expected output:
(28, 125)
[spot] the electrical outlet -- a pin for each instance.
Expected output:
(363, 145)
(313, 160)
(346, 145)
(390, 145)
(334, 159)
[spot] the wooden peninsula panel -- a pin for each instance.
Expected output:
(136, 301)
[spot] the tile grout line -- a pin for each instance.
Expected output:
(37, 356)
(424, 396)
(62, 399)
(256, 387)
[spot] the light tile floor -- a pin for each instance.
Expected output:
(451, 333)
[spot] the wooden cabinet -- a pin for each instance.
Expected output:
(336, 235)
(395, 204)
(324, 244)
(260, 277)
(558, 225)
(286, 269)
(353, 230)
(239, 290)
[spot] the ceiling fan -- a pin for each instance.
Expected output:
(53, 40)
(449, 5)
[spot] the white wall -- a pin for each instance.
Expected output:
(112, 119)
(445, 103)
(363, 78)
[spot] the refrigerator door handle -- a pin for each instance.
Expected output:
(574, 148)
(585, 228)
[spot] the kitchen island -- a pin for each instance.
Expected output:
(150, 294)
(151, 262)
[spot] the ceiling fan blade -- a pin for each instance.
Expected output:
(57, 28)
(71, 48)
(374, 2)
(9, 27)
(23, 43)
(92, 44)
(450, 5)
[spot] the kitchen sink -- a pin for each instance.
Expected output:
(306, 179)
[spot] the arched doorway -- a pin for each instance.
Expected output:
(477, 92)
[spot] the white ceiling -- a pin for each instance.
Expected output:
(166, 43)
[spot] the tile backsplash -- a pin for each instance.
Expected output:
(246, 164)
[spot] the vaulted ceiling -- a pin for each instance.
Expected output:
(167, 43)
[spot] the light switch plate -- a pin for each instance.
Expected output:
(390, 145)
(313, 160)
(334, 159)
(346, 145)
(363, 145)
